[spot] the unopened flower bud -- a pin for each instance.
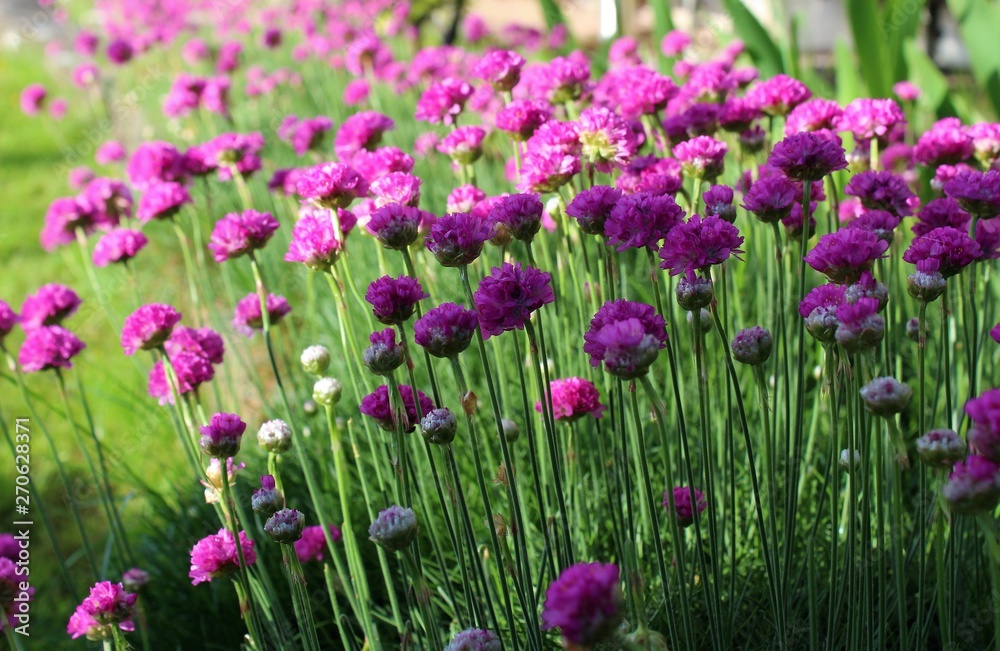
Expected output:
(327, 391)
(703, 322)
(275, 436)
(694, 292)
(285, 526)
(913, 329)
(310, 407)
(985, 441)
(134, 580)
(315, 360)
(850, 460)
(925, 287)
(439, 426)
(267, 500)
(221, 437)
(510, 430)
(752, 346)
(973, 486)
(501, 235)
(394, 528)
(886, 396)
(941, 448)
(384, 355)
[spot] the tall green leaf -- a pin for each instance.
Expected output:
(849, 84)
(900, 21)
(867, 29)
(978, 21)
(760, 45)
(553, 14)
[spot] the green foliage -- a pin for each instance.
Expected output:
(760, 44)
(977, 23)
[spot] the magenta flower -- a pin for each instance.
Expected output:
(952, 248)
(155, 162)
(148, 327)
(247, 317)
(8, 319)
(547, 171)
(674, 43)
(605, 138)
(464, 145)
(314, 241)
(859, 327)
(978, 193)
(907, 91)
(973, 486)
(843, 255)
(229, 152)
(995, 333)
(778, 95)
(585, 603)
(458, 238)
(814, 115)
(107, 605)
(564, 77)
(238, 234)
(807, 156)
(373, 165)
(501, 68)
(940, 212)
(395, 225)
(48, 347)
(464, 198)
(356, 92)
(522, 117)
(376, 406)
(882, 191)
(109, 152)
(331, 185)
(203, 342)
(702, 157)
(221, 437)
(394, 300)
(312, 545)
(945, 143)
(162, 201)
(985, 141)
(642, 220)
(361, 131)
(770, 198)
(216, 556)
(396, 188)
(33, 99)
(192, 370)
(685, 501)
(648, 93)
(626, 336)
(446, 330)
(304, 135)
(700, 243)
(521, 214)
(573, 398)
(120, 51)
(592, 208)
(871, 118)
(506, 299)
(443, 101)
(49, 305)
(228, 58)
(984, 435)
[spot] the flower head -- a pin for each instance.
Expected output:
(584, 603)
(778, 95)
(148, 327)
(220, 438)
(702, 157)
(951, 248)
(443, 101)
(474, 639)
(48, 347)
(49, 305)
(361, 131)
(976, 192)
(376, 405)
(107, 605)
(770, 198)
(973, 486)
(118, 245)
(807, 156)
(574, 398)
(941, 448)
(699, 243)
(641, 220)
(605, 137)
(521, 214)
(625, 335)
(458, 238)
(396, 226)
(813, 115)
(685, 501)
(237, 234)
(446, 330)
(155, 162)
(464, 145)
(752, 346)
(285, 526)
(507, 297)
(870, 118)
(843, 255)
(331, 185)
(247, 317)
(882, 191)
(592, 208)
(859, 327)
(501, 68)
(216, 556)
(312, 545)
(314, 241)
(8, 319)
(522, 117)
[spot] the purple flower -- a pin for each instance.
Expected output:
(108, 605)
(221, 437)
(584, 603)
(870, 118)
(446, 330)
(384, 355)
(109, 152)
(394, 529)
(237, 234)
(859, 327)
(331, 185)
(8, 319)
(312, 545)
(314, 242)
(547, 170)
(393, 300)
(843, 255)
(501, 68)
(985, 141)
(807, 156)
(563, 78)
(33, 99)
(648, 91)
(304, 135)
(702, 157)
(973, 486)
(464, 145)
(719, 202)
(945, 143)
(373, 165)
(49, 305)
(457, 239)
(521, 214)
(361, 131)
(976, 192)
(674, 43)
(814, 115)
(641, 220)
(396, 187)
(699, 243)
(48, 347)
(155, 162)
(216, 556)
(120, 51)
(770, 198)
(148, 327)
(995, 333)
(203, 342)
(396, 226)
(162, 201)
(685, 501)
(574, 398)
(592, 208)
(880, 222)
(882, 191)
(952, 248)
(474, 639)
(984, 435)
(522, 117)
(943, 211)
(507, 297)
(443, 101)
(234, 151)
(248, 318)
(626, 337)
(906, 91)
(778, 95)
(376, 406)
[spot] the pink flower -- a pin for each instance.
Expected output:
(573, 398)
(216, 555)
(443, 101)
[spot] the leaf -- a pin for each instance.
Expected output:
(977, 22)
(900, 21)
(925, 74)
(553, 14)
(869, 35)
(760, 45)
(849, 84)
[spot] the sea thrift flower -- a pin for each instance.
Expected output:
(507, 297)
(220, 438)
(626, 336)
(457, 239)
(843, 255)
(941, 448)
(883, 224)
(605, 138)
(585, 603)
(778, 95)
(8, 319)
(155, 162)
(446, 330)
(304, 135)
(547, 170)
(952, 248)
(521, 214)
(148, 327)
(807, 156)
(871, 118)
(574, 398)
(216, 556)
(699, 243)
(48, 347)
(752, 346)
(984, 411)
(994, 333)
(976, 192)
(501, 68)
(394, 300)
(819, 308)
(331, 185)
(522, 117)
(384, 355)
(685, 501)
(641, 220)
(396, 226)
(162, 201)
(394, 528)
(203, 342)
(109, 152)
(907, 91)
(945, 143)
(314, 242)
(108, 605)
(356, 92)
(859, 327)
(973, 486)
(443, 101)
(985, 141)
(396, 188)
(62, 220)
(474, 639)
(886, 396)
(376, 405)
(361, 131)
(719, 202)
(702, 157)
(33, 99)
(592, 208)
(464, 145)
(120, 51)
(813, 115)
(312, 545)
(439, 426)
(465, 198)
(564, 78)
(940, 212)
(248, 317)
(238, 234)
(49, 305)
(770, 198)
(674, 43)
(267, 500)
(285, 526)
(882, 191)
